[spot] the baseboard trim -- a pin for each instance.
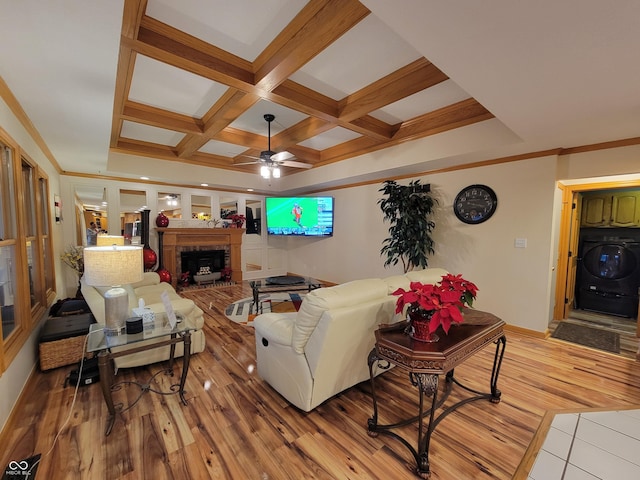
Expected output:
(526, 331)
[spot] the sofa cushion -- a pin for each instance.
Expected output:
(428, 275)
(318, 301)
(151, 293)
(149, 278)
(395, 282)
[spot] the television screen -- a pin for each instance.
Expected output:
(303, 216)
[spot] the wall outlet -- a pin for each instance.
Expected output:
(520, 243)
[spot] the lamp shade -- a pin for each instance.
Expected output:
(103, 240)
(114, 265)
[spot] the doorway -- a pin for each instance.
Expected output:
(598, 279)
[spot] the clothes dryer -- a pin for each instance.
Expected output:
(608, 276)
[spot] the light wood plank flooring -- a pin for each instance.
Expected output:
(236, 427)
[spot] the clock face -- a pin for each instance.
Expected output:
(475, 204)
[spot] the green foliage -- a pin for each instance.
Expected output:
(408, 210)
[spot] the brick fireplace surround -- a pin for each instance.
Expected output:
(176, 240)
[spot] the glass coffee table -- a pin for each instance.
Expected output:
(154, 335)
(281, 284)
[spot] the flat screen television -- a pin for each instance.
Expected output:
(300, 216)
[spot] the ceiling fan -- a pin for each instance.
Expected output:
(271, 161)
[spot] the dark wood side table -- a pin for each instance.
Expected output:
(425, 362)
(159, 334)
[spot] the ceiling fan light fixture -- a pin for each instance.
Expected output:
(276, 172)
(264, 172)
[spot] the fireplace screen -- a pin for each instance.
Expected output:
(202, 262)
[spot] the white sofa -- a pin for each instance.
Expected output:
(321, 350)
(150, 289)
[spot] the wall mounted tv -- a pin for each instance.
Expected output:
(300, 216)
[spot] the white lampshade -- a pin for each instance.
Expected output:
(111, 267)
(114, 265)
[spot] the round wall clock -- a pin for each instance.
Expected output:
(475, 204)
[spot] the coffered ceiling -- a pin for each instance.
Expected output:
(361, 91)
(193, 83)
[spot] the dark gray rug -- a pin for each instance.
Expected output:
(589, 337)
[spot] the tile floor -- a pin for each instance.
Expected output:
(590, 446)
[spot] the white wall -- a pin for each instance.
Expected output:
(514, 282)
(517, 284)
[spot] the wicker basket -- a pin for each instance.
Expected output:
(61, 352)
(62, 340)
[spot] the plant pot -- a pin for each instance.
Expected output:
(420, 328)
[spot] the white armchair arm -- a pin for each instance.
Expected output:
(275, 327)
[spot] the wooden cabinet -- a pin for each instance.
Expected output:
(619, 209)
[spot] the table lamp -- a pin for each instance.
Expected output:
(113, 266)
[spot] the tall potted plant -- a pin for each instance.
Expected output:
(408, 209)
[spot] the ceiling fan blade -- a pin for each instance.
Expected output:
(249, 156)
(291, 163)
(282, 156)
(246, 163)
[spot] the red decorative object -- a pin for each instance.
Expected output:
(162, 220)
(164, 275)
(437, 305)
(237, 221)
(225, 274)
(149, 258)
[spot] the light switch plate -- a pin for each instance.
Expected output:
(521, 243)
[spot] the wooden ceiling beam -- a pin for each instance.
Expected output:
(132, 14)
(317, 25)
(157, 117)
(228, 107)
(444, 119)
(460, 114)
(406, 81)
(197, 57)
(301, 131)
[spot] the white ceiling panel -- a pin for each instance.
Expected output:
(222, 148)
(243, 28)
(438, 96)
(253, 119)
(147, 133)
(160, 85)
(329, 139)
(365, 53)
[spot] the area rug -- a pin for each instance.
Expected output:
(244, 311)
(589, 337)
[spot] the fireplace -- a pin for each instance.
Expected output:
(174, 241)
(202, 262)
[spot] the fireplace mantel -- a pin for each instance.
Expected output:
(173, 238)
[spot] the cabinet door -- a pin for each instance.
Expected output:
(625, 211)
(596, 210)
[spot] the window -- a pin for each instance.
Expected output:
(27, 278)
(8, 216)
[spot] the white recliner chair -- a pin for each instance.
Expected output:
(321, 350)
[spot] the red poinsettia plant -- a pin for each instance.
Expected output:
(237, 220)
(441, 303)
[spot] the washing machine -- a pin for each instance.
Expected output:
(608, 275)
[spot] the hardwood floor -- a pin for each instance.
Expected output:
(236, 427)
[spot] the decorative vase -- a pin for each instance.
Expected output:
(149, 257)
(162, 220)
(164, 275)
(419, 323)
